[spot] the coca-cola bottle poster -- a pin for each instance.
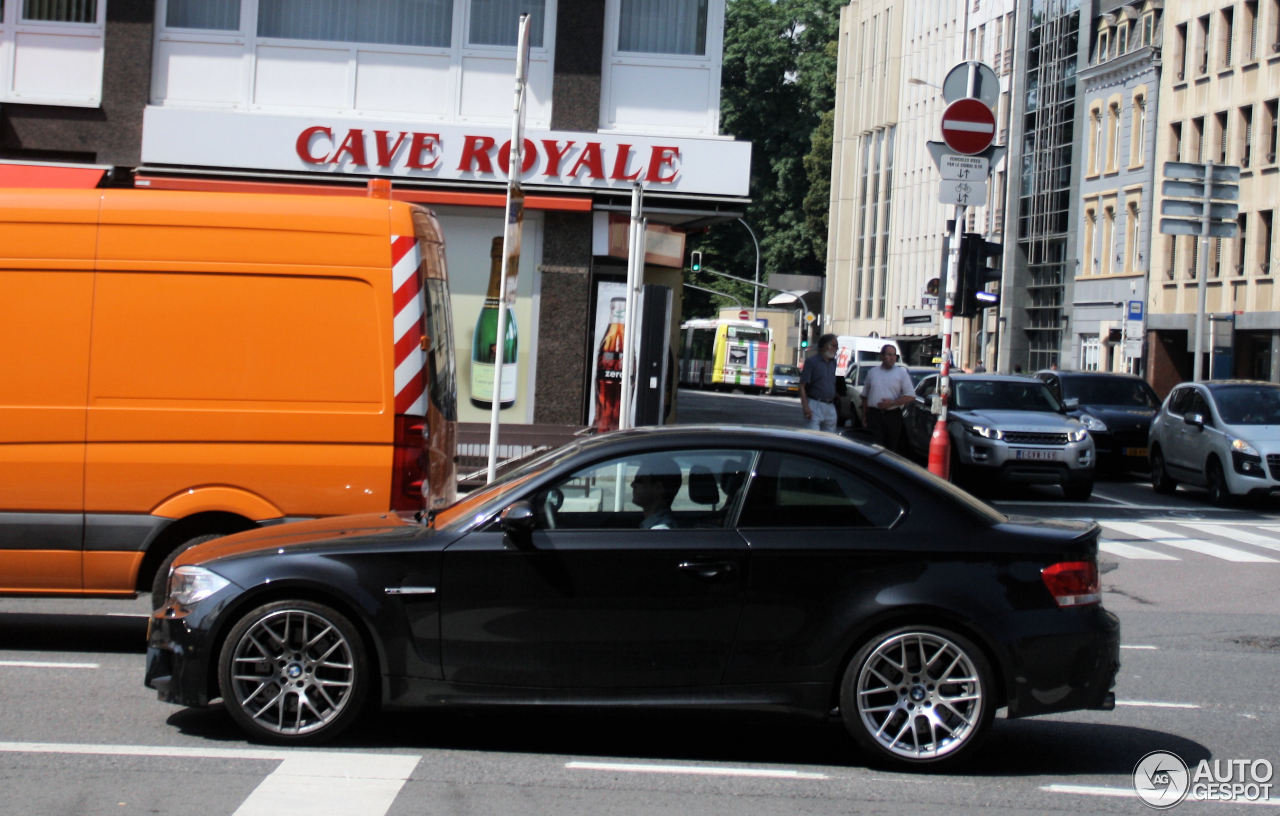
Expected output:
(606, 372)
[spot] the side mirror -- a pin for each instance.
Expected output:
(518, 522)
(1071, 404)
(1194, 419)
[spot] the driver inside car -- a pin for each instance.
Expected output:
(653, 488)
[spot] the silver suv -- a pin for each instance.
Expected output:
(1005, 430)
(1222, 435)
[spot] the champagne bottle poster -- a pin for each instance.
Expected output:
(606, 375)
(484, 342)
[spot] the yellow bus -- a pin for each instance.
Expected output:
(726, 354)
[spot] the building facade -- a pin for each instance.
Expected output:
(1119, 89)
(885, 262)
(1219, 92)
(270, 95)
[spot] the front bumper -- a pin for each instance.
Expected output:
(1026, 464)
(178, 660)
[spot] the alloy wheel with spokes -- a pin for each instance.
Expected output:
(917, 696)
(293, 671)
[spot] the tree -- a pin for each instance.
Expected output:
(778, 92)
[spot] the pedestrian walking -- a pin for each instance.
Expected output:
(818, 386)
(887, 388)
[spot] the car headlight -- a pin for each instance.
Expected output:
(1241, 446)
(191, 584)
(1079, 434)
(1092, 423)
(986, 431)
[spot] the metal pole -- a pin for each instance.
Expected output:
(631, 329)
(755, 297)
(1202, 268)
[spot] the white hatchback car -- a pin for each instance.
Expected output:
(1222, 435)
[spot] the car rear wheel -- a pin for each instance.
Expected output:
(294, 672)
(917, 696)
(1160, 481)
(1216, 483)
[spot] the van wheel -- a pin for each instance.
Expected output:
(160, 583)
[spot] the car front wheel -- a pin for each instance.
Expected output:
(917, 696)
(1216, 483)
(1078, 489)
(294, 672)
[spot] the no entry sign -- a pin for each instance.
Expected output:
(968, 126)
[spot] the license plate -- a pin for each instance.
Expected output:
(1043, 455)
(1137, 452)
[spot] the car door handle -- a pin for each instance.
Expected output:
(707, 569)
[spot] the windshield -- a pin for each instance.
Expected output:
(998, 395)
(462, 510)
(786, 369)
(1248, 404)
(1110, 391)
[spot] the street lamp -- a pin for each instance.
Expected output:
(755, 294)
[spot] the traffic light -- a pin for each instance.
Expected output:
(804, 337)
(695, 260)
(979, 265)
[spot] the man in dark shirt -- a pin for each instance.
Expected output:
(818, 386)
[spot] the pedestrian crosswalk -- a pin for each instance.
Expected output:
(1159, 540)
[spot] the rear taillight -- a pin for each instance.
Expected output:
(409, 464)
(1072, 583)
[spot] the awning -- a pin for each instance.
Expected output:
(65, 176)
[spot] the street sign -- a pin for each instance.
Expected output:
(955, 167)
(1195, 209)
(1135, 311)
(1195, 189)
(744, 315)
(1179, 226)
(968, 126)
(965, 193)
(1221, 172)
(986, 84)
(913, 317)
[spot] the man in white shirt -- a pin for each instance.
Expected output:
(887, 388)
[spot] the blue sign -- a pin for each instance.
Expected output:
(1135, 311)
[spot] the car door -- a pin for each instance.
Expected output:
(918, 418)
(1184, 442)
(592, 600)
(822, 543)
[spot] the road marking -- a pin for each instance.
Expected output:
(337, 783)
(44, 664)
(1153, 704)
(1233, 532)
(1136, 646)
(695, 770)
(1099, 790)
(1125, 550)
(1155, 534)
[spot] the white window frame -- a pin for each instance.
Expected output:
(708, 64)
(456, 55)
(14, 31)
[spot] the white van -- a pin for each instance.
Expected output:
(854, 350)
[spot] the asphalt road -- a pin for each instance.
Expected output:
(1194, 588)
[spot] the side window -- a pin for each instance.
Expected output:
(927, 387)
(1198, 405)
(790, 490)
(664, 490)
(1180, 400)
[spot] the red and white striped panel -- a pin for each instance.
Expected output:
(411, 360)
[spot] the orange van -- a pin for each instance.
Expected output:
(176, 366)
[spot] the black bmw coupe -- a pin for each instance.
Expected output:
(706, 567)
